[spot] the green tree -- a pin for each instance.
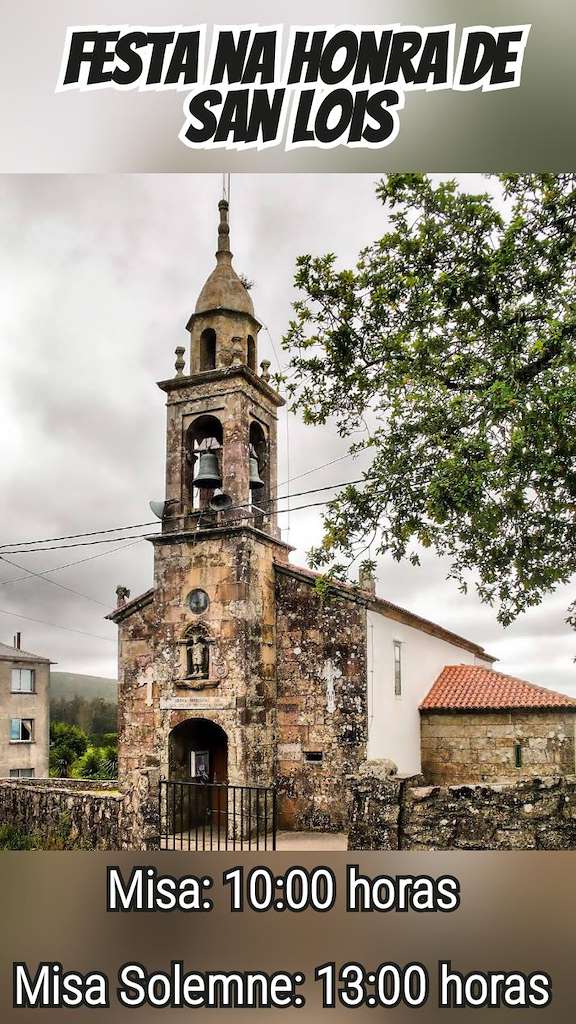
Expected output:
(449, 353)
(67, 743)
(96, 763)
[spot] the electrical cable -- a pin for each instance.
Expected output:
(143, 536)
(68, 629)
(38, 575)
(67, 565)
(21, 545)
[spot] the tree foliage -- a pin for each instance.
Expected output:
(67, 744)
(75, 755)
(449, 352)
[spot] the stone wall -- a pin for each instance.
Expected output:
(321, 704)
(391, 814)
(470, 747)
(87, 814)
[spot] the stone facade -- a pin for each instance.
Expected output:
(389, 814)
(504, 746)
(235, 568)
(322, 719)
(24, 755)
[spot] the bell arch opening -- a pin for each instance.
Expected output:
(259, 473)
(251, 353)
(198, 751)
(208, 349)
(203, 453)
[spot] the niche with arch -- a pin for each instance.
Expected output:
(260, 497)
(196, 662)
(204, 437)
(197, 655)
(208, 349)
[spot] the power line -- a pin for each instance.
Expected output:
(85, 544)
(54, 625)
(40, 576)
(316, 469)
(58, 568)
(20, 550)
(73, 536)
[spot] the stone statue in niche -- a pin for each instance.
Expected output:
(197, 658)
(197, 663)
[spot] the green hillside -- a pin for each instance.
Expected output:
(67, 685)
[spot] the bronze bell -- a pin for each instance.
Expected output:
(255, 482)
(208, 474)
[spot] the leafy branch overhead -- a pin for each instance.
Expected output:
(453, 338)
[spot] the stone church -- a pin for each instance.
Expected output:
(232, 668)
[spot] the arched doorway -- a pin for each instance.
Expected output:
(198, 749)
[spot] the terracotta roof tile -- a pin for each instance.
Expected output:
(475, 688)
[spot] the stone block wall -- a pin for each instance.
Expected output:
(473, 747)
(321, 702)
(91, 814)
(533, 814)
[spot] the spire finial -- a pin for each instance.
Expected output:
(223, 253)
(224, 289)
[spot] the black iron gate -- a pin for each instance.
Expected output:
(215, 816)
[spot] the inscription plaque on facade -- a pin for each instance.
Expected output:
(192, 704)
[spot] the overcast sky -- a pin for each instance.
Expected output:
(98, 276)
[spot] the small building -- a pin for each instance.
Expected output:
(24, 713)
(479, 725)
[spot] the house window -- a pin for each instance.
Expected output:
(314, 756)
(397, 668)
(23, 680)
(21, 773)
(21, 730)
(518, 755)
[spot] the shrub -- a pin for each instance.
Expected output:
(14, 838)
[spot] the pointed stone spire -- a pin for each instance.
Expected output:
(224, 289)
(223, 253)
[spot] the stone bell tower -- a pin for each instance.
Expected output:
(222, 416)
(198, 651)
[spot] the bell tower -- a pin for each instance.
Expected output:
(209, 630)
(222, 415)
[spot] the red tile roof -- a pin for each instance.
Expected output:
(474, 688)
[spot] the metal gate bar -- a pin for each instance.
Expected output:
(216, 816)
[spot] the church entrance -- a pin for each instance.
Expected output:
(198, 750)
(198, 809)
(198, 775)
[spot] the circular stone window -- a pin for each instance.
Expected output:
(198, 601)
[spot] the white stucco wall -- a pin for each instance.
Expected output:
(394, 722)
